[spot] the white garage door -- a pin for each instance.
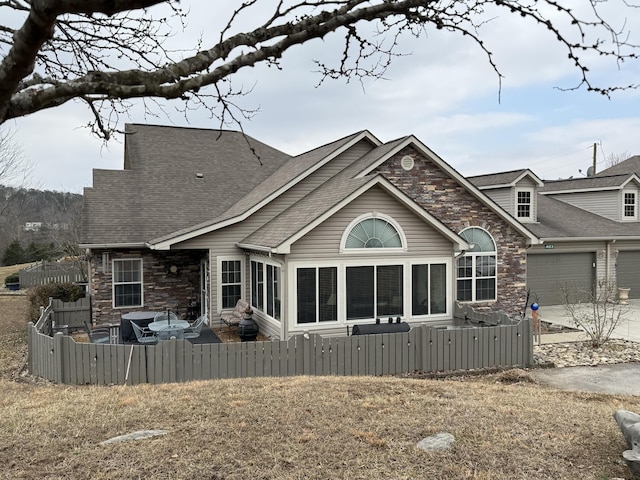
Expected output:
(629, 272)
(547, 273)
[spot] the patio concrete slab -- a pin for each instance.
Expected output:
(616, 379)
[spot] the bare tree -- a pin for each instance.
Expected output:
(616, 158)
(15, 170)
(598, 310)
(105, 51)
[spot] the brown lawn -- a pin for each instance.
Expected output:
(505, 426)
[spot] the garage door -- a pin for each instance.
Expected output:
(629, 272)
(546, 274)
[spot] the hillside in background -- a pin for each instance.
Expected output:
(31, 217)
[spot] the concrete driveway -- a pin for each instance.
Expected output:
(621, 378)
(617, 379)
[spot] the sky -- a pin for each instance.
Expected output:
(442, 90)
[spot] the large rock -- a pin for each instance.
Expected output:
(629, 424)
(440, 441)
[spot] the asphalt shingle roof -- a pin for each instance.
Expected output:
(500, 178)
(173, 178)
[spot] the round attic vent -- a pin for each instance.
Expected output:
(407, 162)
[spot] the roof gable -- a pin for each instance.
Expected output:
(504, 179)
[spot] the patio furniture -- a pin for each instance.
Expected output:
(193, 330)
(171, 332)
(97, 335)
(160, 324)
(165, 315)
(232, 318)
(142, 319)
(144, 335)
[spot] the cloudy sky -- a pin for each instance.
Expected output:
(443, 91)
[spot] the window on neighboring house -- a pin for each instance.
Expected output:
(476, 269)
(127, 283)
(524, 204)
(266, 289)
(231, 282)
(316, 294)
(630, 205)
(373, 232)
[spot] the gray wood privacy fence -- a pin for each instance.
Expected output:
(43, 273)
(60, 359)
(62, 316)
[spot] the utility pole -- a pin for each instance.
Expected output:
(594, 158)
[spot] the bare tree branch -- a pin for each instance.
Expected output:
(106, 51)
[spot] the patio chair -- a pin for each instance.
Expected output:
(164, 316)
(193, 331)
(171, 332)
(144, 335)
(97, 335)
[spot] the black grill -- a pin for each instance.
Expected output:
(381, 327)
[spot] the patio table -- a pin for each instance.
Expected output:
(160, 324)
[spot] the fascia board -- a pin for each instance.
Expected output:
(112, 245)
(165, 243)
(285, 247)
(589, 239)
(412, 140)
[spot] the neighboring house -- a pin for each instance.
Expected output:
(343, 234)
(589, 226)
(32, 226)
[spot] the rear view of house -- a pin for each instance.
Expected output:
(342, 235)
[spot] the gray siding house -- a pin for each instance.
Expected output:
(342, 235)
(589, 227)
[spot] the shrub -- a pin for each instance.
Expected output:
(39, 296)
(13, 278)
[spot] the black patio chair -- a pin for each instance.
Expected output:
(97, 335)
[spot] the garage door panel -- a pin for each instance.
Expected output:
(628, 271)
(548, 273)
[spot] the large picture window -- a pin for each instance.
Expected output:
(476, 269)
(374, 291)
(428, 289)
(127, 283)
(316, 294)
(266, 288)
(231, 282)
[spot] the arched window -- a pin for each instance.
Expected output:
(476, 269)
(373, 232)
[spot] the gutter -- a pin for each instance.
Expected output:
(589, 239)
(113, 245)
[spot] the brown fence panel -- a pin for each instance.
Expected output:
(72, 314)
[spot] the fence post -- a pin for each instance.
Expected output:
(57, 357)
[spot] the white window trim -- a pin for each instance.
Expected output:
(266, 261)
(113, 282)
(295, 327)
(243, 272)
(633, 217)
(530, 190)
(474, 278)
(369, 251)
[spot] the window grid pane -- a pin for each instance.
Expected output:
(524, 204)
(127, 283)
(629, 204)
(231, 272)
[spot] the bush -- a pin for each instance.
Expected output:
(13, 278)
(39, 296)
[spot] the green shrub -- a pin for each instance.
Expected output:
(13, 278)
(39, 296)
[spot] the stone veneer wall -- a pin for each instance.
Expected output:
(448, 201)
(161, 289)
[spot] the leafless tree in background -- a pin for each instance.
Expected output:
(103, 52)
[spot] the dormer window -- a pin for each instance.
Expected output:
(524, 204)
(629, 207)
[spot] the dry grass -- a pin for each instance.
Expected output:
(506, 427)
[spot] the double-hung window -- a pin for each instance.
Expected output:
(630, 211)
(476, 269)
(231, 282)
(524, 204)
(127, 282)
